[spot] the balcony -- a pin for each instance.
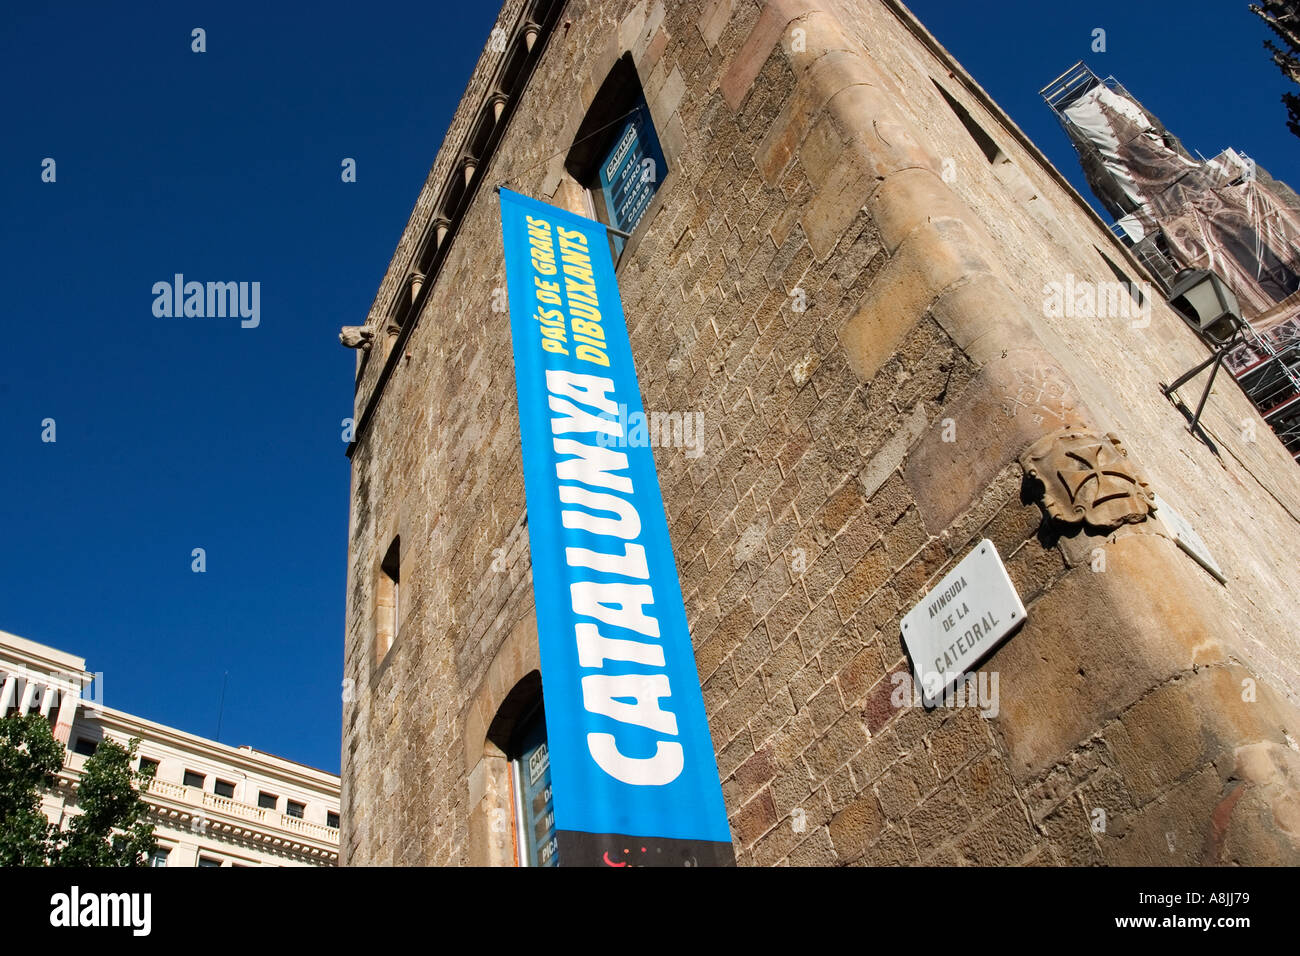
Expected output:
(262, 818)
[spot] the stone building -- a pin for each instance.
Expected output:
(852, 265)
(211, 805)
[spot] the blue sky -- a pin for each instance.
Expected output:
(1199, 65)
(176, 434)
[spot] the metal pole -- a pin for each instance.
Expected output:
(618, 232)
(1205, 396)
(1189, 375)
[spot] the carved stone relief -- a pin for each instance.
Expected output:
(1088, 478)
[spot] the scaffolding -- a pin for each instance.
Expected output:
(1175, 211)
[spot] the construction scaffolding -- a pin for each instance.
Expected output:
(1176, 211)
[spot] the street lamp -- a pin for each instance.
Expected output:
(1206, 304)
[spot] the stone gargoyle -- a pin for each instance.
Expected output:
(357, 337)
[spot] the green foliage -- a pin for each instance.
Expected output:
(29, 759)
(1283, 18)
(111, 829)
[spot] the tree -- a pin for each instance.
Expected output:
(1283, 18)
(29, 759)
(111, 830)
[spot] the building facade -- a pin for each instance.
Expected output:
(210, 804)
(1176, 212)
(851, 265)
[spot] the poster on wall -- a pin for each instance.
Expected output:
(634, 780)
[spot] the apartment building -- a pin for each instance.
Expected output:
(211, 804)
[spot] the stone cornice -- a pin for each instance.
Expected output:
(959, 73)
(248, 760)
(218, 818)
(41, 660)
(494, 88)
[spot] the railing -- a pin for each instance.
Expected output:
(233, 807)
(307, 828)
(1273, 384)
(165, 789)
(265, 816)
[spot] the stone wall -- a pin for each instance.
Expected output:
(839, 277)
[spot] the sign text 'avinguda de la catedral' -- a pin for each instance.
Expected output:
(961, 620)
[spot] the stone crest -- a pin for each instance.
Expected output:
(1088, 478)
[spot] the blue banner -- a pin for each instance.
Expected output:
(633, 774)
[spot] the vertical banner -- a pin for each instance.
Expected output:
(633, 775)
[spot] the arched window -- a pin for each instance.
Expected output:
(512, 812)
(530, 777)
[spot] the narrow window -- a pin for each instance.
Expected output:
(991, 150)
(1122, 277)
(332, 820)
(208, 861)
(193, 779)
(388, 599)
(1017, 183)
(85, 747)
(149, 765)
(616, 154)
(224, 788)
(295, 809)
(530, 771)
(267, 801)
(159, 856)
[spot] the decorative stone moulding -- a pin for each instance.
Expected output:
(415, 280)
(441, 224)
(1088, 478)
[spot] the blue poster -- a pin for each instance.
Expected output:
(633, 775)
(631, 173)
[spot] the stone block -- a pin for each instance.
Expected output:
(744, 67)
(1011, 403)
(827, 216)
(1093, 645)
(892, 848)
(911, 198)
(713, 19)
(1004, 839)
(862, 581)
(941, 819)
(905, 785)
(855, 827)
(754, 819)
(1173, 831)
(886, 460)
(933, 258)
(816, 850)
(962, 737)
(986, 782)
(862, 672)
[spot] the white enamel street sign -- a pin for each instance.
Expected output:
(1188, 539)
(961, 620)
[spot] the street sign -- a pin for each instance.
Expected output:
(1187, 538)
(961, 620)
